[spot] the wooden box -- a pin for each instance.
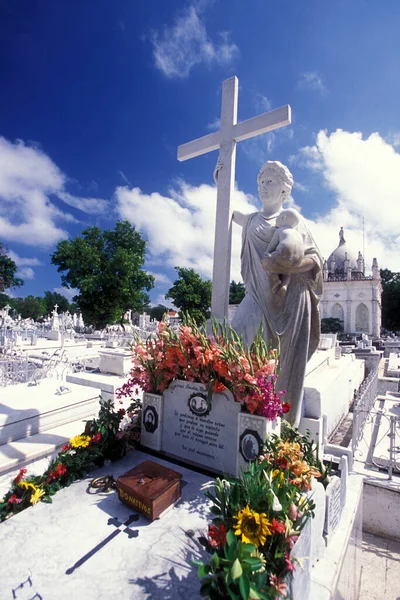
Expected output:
(149, 488)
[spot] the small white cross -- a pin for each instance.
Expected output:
(225, 139)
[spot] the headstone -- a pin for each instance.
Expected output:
(300, 583)
(199, 431)
(344, 472)
(333, 507)
(317, 494)
(116, 361)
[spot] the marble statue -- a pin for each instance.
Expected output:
(286, 247)
(291, 320)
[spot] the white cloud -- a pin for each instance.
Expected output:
(26, 273)
(363, 174)
(214, 125)
(180, 226)
(185, 43)
(161, 279)
(393, 138)
(23, 262)
(310, 80)
(28, 179)
(87, 205)
(262, 103)
(161, 299)
(68, 293)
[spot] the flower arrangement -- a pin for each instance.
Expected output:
(107, 437)
(257, 520)
(219, 361)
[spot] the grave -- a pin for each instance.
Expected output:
(329, 388)
(116, 361)
(185, 424)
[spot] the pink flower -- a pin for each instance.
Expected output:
(289, 565)
(293, 512)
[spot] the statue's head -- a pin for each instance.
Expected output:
(274, 180)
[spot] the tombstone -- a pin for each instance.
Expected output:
(299, 585)
(115, 361)
(184, 423)
(317, 549)
(333, 507)
(344, 473)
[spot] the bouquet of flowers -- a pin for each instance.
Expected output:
(219, 361)
(257, 520)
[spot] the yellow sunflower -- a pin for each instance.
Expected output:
(80, 441)
(252, 526)
(37, 494)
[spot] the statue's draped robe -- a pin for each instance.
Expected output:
(292, 321)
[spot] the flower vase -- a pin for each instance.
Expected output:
(152, 414)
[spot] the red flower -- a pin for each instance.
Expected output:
(218, 387)
(289, 565)
(14, 498)
(286, 406)
(60, 470)
(281, 463)
(278, 526)
(66, 447)
(20, 475)
(217, 535)
(96, 438)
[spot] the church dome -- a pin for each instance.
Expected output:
(340, 254)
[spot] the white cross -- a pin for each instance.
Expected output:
(55, 307)
(225, 139)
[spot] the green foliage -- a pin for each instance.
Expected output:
(108, 424)
(53, 298)
(237, 292)
(29, 307)
(267, 504)
(331, 325)
(8, 269)
(102, 439)
(191, 294)
(106, 268)
(390, 300)
(157, 312)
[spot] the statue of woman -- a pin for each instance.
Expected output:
(292, 320)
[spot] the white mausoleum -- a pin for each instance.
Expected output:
(349, 294)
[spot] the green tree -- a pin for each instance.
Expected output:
(331, 325)
(29, 307)
(157, 312)
(390, 300)
(106, 268)
(8, 269)
(53, 298)
(191, 294)
(237, 292)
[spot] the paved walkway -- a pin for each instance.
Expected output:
(380, 578)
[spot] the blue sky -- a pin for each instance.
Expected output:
(97, 95)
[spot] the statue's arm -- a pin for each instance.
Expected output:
(274, 242)
(239, 218)
(271, 266)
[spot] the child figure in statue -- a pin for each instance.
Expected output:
(286, 248)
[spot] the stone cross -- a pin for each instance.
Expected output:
(225, 139)
(55, 307)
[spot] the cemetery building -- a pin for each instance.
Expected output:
(349, 294)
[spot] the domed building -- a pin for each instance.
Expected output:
(349, 294)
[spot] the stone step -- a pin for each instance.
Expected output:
(26, 410)
(34, 452)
